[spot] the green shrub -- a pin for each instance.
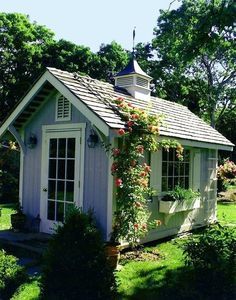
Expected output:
(212, 255)
(75, 265)
(215, 248)
(11, 275)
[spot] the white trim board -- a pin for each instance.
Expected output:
(198, 144)
(193, 143)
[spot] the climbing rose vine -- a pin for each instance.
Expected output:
(131, 172)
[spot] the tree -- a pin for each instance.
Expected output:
(28, 48)
(227, 126)
(197, 56)
(112, 58)
(22, 48)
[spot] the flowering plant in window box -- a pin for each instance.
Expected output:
(131, 173)
(178, 200)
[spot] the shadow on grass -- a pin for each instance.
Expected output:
(184, 284)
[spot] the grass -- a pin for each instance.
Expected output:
(226, 213)
(6, 211)
(140, 280)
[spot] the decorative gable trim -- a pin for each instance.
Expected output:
(63, 109)
(48, 77)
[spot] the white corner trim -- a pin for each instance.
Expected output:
(21, 178)
(110, 186)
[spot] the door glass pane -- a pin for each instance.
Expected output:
(61, 169)
(53, 148)
(69, 191)
(60, 190)
(51, 210)
(52, 189)
(61, 177)
(70, 169)
(71, 148)
(52, 168)
(60, 211)
(62, 148)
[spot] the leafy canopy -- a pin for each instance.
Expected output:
(197, 56)
(28, 48)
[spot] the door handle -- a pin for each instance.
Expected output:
(45, 190)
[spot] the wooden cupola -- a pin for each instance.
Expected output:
(134, 80)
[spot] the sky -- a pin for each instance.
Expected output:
(91, 23)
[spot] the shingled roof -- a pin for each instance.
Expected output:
(179, 121)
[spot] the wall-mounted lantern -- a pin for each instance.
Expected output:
(92, 139)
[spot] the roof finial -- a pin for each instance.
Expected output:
(133, 54)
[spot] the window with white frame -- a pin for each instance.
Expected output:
(174, 171)
(63, 109)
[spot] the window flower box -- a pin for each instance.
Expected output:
(171, 207)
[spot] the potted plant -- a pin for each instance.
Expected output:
(178, 200)
(18, 219)
(112, 250)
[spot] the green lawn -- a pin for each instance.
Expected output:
(226, 213)
(6, 211)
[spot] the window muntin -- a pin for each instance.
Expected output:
(63, 109)
(174, 171)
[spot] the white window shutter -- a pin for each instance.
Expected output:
(196, 170)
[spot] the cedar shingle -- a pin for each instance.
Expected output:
(179, 122)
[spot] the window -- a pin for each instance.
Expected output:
(63, 109)
(174, 171)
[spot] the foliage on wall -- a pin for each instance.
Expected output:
(138, 137)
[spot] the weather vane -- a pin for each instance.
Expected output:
(133, 39)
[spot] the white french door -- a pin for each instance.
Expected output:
(60, 184)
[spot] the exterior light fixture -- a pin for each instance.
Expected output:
(92, 139)
(32, 141)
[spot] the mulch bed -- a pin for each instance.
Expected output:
(140, 255)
